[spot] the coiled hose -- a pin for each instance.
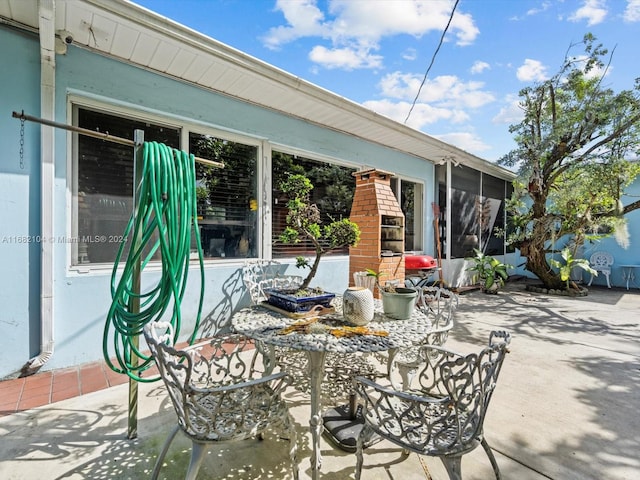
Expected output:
(164, 220)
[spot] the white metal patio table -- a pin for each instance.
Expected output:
(628, 274)
(266, 326)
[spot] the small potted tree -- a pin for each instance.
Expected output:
(303, 223)
(490, 271)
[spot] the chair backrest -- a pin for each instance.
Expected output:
(601, 261)
(438, 304)
(260, 274)
(468, 381)
(202, 370)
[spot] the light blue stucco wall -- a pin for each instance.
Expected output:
(81, 301)
(629, 255)
(19, 201)
(621, 255)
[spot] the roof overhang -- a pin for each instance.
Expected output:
(133, 34)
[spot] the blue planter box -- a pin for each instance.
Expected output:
(284, 300)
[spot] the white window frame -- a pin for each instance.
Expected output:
(75, 100)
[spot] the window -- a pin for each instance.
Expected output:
(334, 186)
(227, 197)
(104, 182)
(492, 215)
(465, 209)
(411, 205)
(477, 210)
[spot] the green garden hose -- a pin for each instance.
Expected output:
(164, 220)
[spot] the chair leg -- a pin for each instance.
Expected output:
(407, 374)
(359, 450)
(453, 464)
(198, 451)
(590, 280)
(165, 449)
(608, 282)
(492, 459)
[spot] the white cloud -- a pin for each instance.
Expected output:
(595, 72)
(445, 90)
(531, 70)
(345, 58)
(511, 113)
(304, 19)
(632, 12)
(592, 11)
(423, 114)
(534, 11)
(410, 54)
(469, 142)
(355, 25)
(479, 67)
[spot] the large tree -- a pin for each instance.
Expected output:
(578, 147)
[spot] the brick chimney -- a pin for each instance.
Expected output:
(376, 211)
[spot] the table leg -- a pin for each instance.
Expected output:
(629, 270)
(627, 274)
(392, 355)
(316, 373)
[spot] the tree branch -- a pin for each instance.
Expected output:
(631, 207)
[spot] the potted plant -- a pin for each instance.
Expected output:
(303, 223)
(397, 302)
(491, 272)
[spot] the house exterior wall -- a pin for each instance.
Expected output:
(81, 300)
(19, 202)
(621, 255)
(629, 255)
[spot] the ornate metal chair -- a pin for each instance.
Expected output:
(601, 262)
(259, 274)
(221, 391)
(444, 417)
(438, 304)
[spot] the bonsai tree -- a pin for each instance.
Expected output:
(303, 223)
(568, 264)
(491, 272)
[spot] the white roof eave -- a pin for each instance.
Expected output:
(129, 32)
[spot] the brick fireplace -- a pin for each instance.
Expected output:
(376, 211)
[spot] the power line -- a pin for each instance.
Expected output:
(433, 58)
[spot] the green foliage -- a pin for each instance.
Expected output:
(390, 288)
(568, 264)
(489, 270)
(303, 223)
(573, 145)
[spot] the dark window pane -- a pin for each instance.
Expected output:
(333, 191)
(410, 203)
(465, 209)
(492, 215)
(227, 197)
(105, 181)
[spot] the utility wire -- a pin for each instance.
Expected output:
(433, 58)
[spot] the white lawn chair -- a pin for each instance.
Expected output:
(601, 262)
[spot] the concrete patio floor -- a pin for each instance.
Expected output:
(565, 408)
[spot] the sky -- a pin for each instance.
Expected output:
(378, 52)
